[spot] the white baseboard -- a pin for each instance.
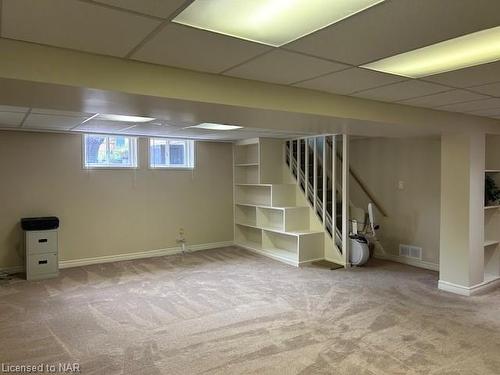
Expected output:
(139, 255)
(409, 261)
(12, 270)
(469, 290)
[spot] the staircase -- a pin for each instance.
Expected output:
(299, 210)
(317, 166)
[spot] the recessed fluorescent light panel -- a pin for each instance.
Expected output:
(271, 22)
(212, 126)
(123, 118)
(469, 50)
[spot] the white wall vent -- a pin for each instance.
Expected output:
(409, 251)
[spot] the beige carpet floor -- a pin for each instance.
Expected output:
(228, 311)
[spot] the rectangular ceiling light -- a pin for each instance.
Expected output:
(123, 118)
(469, 50)
(212, 126)
(271, 22)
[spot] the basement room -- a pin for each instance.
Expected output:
(250, 187)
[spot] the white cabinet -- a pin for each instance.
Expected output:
(41, 254)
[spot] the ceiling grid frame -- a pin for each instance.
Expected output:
(165, 21)
(158, 29)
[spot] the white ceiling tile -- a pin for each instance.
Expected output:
(472, 106)
(190, 48)
(56, 112)
(206, 134)
(492, 89)
(96, 126)
(39, 121)
(284, 67)
(75, 24)
(444, 98)
(9, 108)
(493, 112)
(152, 130)
(11, 119)
(350, 80)
(393, 27)
(157, 8)
(469, 77)
(401, 91)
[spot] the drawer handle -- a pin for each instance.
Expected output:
(43, 240)
(42, 262)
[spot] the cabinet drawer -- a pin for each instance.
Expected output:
(39, 242)
(41, 266)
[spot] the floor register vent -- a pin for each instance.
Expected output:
(409, 251)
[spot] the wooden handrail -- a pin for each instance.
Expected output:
(363, 186)
(361, 183)
(368, 193)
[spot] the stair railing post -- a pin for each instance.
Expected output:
(334, 189)
(345, 199)
(315, 175)
(298, 161)
(306, 182)
(324, 181)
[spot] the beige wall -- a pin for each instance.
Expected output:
(109, 212)
(414, 212)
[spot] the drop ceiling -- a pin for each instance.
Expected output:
(327, 60)
(38, 119)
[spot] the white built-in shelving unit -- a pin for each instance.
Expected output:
(492, 215)
(267, 218)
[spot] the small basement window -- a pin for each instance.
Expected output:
(109, 151)
(171, 153)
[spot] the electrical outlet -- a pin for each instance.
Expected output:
(401, 185)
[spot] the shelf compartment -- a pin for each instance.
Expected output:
(283, 195)
(247, 165)
(270, 218)
(280, 242)
(246, 175)
(281, 255)
(249, 237)
(491, 243)
(492, 261)
(311, 246)
(292, 233)
(246, 153)
(253, 194)
(245, 215)
(297, 219)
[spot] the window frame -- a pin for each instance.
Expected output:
(172, 167)
(133, 150)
